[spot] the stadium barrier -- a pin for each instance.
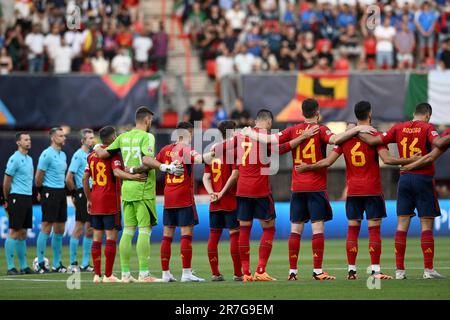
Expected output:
(337, 228)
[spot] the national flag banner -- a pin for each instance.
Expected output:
(432, 87)
(330, 91)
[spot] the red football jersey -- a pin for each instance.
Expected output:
(446, 132)
(220, 170)
(413, 137)
(105, 193)
(309, 151)
(253, 163)
(362, 167)
(178, 191)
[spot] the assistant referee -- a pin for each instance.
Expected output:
(18, 191)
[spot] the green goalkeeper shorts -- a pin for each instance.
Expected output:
(140, 213)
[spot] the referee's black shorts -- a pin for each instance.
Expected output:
(81, 213)
(54, 205)
(20, 211)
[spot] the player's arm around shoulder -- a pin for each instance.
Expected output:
(324, 163)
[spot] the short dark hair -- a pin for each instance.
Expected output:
(83, 132)
(362, 110)
(185, 125)
(106, 133)
(264, 114)
(309, 107)
(141, 113)
(53, 131)
(423, 108)
(226, 125)
(20, 134)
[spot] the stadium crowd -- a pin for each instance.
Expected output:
(324, 35)
(91, 36)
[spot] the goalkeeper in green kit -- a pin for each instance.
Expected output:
(138, 198)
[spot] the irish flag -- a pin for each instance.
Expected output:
(433, 88)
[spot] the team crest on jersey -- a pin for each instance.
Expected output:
(150, 149)
(117, 163)
(14, 201)
(328, 132)
(46, 195)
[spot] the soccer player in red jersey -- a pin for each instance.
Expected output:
(254, 196)
(365, 193)
(309, 200)
(220, 179)
(415, 187)
(103, 203)
(179, 203)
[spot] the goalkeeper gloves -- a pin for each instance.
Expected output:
(172, 168)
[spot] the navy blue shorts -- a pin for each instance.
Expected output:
(374, 206)
(223, 220)
(255, 208)
(416, 191)
(106, 222)
(313, 206)
(180, 217)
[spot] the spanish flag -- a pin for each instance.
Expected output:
(330, 91)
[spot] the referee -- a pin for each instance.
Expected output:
(50, 181)
(18, 191)
(74, 182)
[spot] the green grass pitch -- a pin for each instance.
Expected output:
(54, 285)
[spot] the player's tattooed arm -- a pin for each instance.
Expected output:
(324, 163)
(208, 186)
(231, 182)
(424, 161)
(149, 163)
(87, 189)
(350, 133)
(387, 158)
(442, 143)
(370, 139)
(274, 138)
(128, 176)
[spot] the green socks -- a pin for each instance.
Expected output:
(143, 248)
(125, 249)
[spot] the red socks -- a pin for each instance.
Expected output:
(317, 248)
(244, 248)
(427, 243)
(265, 248)
(374, 244)
(186, 251)
(96, 252)
(234, 250)
(294, 249)
(165, 253)
(213, 241)
(352, 244)
(400, 248)
(110, 256)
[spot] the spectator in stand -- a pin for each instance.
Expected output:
(253, 17)
(132, 6)
(219, 114)
(445, 55)
(289, 16)
(61, 57)
(385, 34)
(327, 26)
(286, 62)
(224, 63)
(254, 41)
(208, 44)
(269, 10)
(308, 17)
(124, 17)
(160, 47)
(325, 57)
(240, 115)
(40, 17)
(425, 22)
(236, 17)
(195, 21)
(99, 64)
(6, 63)
(14, 43)
(308, 53)
(273, 38)
(345, 17)
(195, 113)
(368, 54)
(35, 45)
(349, 44)
(404, 42)
(230, 39)
(142, 44)
(244, 61)
(121, 63)
(110, 45)
(124, 37)
(52, 40)
(86, 66)
(267, 61)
